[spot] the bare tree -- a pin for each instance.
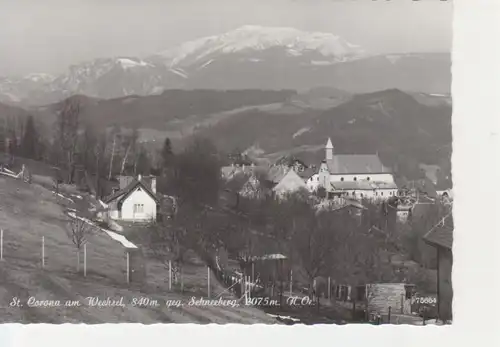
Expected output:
(78, 231)
(68, 123)
(130, 148)
(116, 135)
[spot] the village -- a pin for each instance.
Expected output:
(335, 241)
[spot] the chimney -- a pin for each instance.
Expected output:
(153, 184)
(139, 177)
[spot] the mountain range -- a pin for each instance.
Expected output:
(250, 57)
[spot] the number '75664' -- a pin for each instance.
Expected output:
(425, 300)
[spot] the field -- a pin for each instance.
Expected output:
(29, 212)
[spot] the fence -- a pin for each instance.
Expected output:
(134, 264)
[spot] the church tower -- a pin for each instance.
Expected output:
(329, 150)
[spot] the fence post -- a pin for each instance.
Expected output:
(291, 281)
(170, 275)
(43, 252)
(1, 244)
(84, 260)
(128, 267)
(389, 315)
(329, 288)
(208, 280)
(253, 272)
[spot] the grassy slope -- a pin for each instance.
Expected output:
(28, 212)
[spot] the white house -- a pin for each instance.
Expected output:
(135, 201)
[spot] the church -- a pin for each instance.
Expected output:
(356, 176)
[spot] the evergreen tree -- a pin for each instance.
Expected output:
(167, 153)
(29, 140)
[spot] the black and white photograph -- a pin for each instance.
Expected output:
(279, 162)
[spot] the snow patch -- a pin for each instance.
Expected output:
(179, 73)
(117, 237)
(129, 63)
(7, 174)
(120, 238)
(321, 62)
(301, 131)
(277, 316)
(62, 196)
(206, 64)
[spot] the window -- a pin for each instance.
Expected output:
(317, 178)
(341, 179)
(361, 194)
(138, 208)
(353, 193)
(368, 178)
(376, 193)
(355, 178)
(382, 193)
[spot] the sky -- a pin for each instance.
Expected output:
(49, 35)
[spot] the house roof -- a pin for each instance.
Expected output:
(362, 185)
(441, 236)
(128, 189)
(307, 173)
(356, 164)
(290, 182)
(276, 173)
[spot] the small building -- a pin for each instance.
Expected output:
(363, 189)
(378, 297)
(441, 237)
(135, 201)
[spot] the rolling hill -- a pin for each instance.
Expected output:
(405, 129)
(30, 211)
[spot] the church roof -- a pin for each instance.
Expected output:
(356, 164)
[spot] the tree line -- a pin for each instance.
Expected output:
(75, 144)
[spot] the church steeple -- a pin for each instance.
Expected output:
(329, 150)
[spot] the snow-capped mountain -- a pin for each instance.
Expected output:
(249, 57)
(254, 39)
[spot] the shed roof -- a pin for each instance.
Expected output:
(441, 236)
